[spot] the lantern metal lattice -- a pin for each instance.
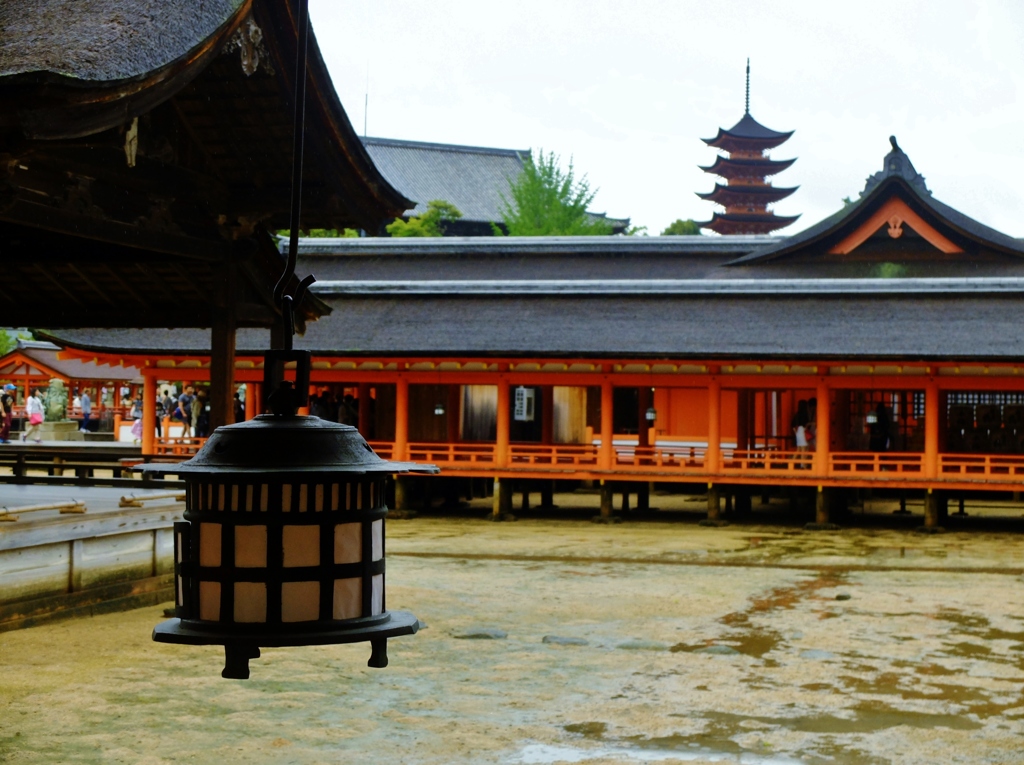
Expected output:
(283, 541)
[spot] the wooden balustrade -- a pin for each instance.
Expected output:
(383, 449)
(981, 466)
(477, 455)
(554, 455)
(668, 459)
(178, 446)
(882, 464)
(682, 458)
(767, 462)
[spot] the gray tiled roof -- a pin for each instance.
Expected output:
(76, 369)
(857, 326)
(897, 171)
(473, 178)
(104, 40)
(470, 177)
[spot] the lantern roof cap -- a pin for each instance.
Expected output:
(273, 444)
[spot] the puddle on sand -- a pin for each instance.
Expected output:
(546, 754)
(864, 718)
(753, 643)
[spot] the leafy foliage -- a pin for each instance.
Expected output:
(680, 227)
(547, 201)
(333, 233)
(430, 223)
(9, 340)
(889, 271)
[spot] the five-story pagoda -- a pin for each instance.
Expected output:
(745, 167)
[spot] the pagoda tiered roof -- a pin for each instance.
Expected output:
(747, 223)
(747, 135)
(733, 168)
(746, 194)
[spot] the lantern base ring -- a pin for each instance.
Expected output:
(238, 649)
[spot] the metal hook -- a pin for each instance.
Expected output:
(288, 303)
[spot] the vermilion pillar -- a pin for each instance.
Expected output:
(713, 456)
(401, 449)
(824, 417)
(252, 400)
(148, 414)
(504, 424)
(931, 428)
(606, 458)
(786, 419)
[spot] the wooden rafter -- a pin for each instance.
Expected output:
(92, 285)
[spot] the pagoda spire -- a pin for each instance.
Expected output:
(746, 104)
(745, 166)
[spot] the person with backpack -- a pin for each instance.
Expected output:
(183, 412)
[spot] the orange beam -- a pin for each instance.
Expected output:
(713, 458)
(504, 423)
(606, 456)
(401, 419)
(824, 415)
(931, 429)
(148, 415)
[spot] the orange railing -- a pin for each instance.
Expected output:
(880, 464)
(981, 465)
(178, 446)
(685, 459)
(452, 454)
(767, 462)
(682, 458)
(383, 449)
(553, 455)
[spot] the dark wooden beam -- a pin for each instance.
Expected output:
(127, 287)
(27, 213)
(191, 315)
(92, 285)
(222, 351)
(51, 279)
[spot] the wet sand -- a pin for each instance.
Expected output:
(757, 644)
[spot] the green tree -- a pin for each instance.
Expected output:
(430, 223)
(548, 201)
(9, 340)
(333, 233)
(680, 227)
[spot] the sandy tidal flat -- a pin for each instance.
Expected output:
(667, 642)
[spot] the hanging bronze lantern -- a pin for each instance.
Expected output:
(283, 538)
(283, 541)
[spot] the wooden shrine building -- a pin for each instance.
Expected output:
(475, 179)
(145, 160)
(675, 359)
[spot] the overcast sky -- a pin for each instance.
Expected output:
(628, 89)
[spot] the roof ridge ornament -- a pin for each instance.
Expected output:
(896, 163)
